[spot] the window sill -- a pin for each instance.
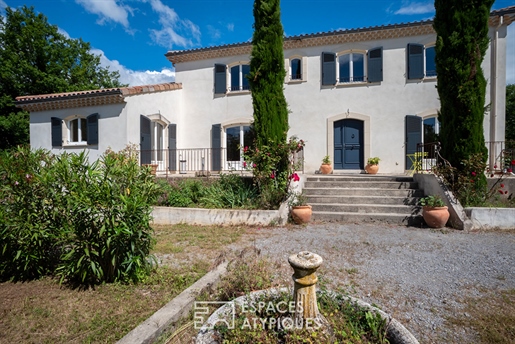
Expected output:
(295, 82)
(237, 93)
(352, 84)
(76, 145)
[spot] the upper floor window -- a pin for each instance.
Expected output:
(239, 81)
(296, 69)
(421, 61)
(352, 66)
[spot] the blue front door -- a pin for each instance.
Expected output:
(348, 144)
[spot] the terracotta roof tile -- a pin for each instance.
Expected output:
(88, 98)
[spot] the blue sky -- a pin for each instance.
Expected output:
(132, 36)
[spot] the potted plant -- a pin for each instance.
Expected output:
(372, 165)
(326, 167)
(300, 211)
(434, 211)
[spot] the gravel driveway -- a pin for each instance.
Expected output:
(419, 275)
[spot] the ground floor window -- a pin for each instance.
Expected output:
(237, 137)
(431, 130)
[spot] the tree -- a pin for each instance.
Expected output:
(510, 112)
(35, 58)
(270, 127)
(461, 41)
(267, 74)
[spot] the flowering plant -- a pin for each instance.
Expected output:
(273, 167)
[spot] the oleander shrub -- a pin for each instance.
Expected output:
(86, 222)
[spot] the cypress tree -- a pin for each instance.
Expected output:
(267, 74)
(462, 39)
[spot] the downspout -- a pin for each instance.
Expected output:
(493, 97)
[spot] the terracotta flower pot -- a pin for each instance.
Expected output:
(372, 169)
(301, 214)
(435, 217)
(326, 168)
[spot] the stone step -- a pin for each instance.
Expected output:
(357, 178)
(363, 184)
(363, 199)
(367, 208)
(363, 191)
(383, 218)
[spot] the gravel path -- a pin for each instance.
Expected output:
(418, 275)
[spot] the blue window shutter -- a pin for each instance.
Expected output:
(415, 61)
(216, 147)
(172, 147)
(375, 65)
(413, 137)
(57, 132)
(220, 79)
(145, 143)
(92, 121)
(328, 68)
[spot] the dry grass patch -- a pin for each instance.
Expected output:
(44, 312)
(492, 317)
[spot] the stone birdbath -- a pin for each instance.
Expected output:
(306, 314)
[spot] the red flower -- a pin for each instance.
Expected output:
(272, 175)
(254, 165)
(509, 170)
(245, 149)
(501, 192)
(502, 185)
(492, 175)
(505, 192)
(473, 174)
(513, 162)
(495, 166)
(244, 164)
(295, 177)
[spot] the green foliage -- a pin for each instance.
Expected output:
(373, 161)
(267, 75)
(432, 201)
(36, 59)
(462, 40)
(510, 112)
(272, 175)
(468, 183)
(230, 191)
(326, 160)
(87, 222)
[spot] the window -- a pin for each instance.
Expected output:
(74, 130)
(78, 131)
(421, 61)
(239, 81)
(352, 67)
(431, 130)
(236, 138)
(296, 69)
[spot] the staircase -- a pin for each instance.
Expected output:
(364, 198)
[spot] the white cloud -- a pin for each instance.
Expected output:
(174, 30)
(2, 4)
(409, 8)
(135, 78)
(510, 55)
(107, 10)
(230, 27)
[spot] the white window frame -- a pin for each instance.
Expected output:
(233, 164)
(303, 69)
(240, 77)
(351, 67)
(68, 127)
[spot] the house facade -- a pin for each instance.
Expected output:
(352, 94)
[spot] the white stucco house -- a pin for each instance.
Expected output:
(352, 94)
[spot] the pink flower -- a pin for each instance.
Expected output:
(254, 165)
(295, 177)
(473, 174)
(16, 183)
(244, 164)
(272, 175)
(245, 149)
